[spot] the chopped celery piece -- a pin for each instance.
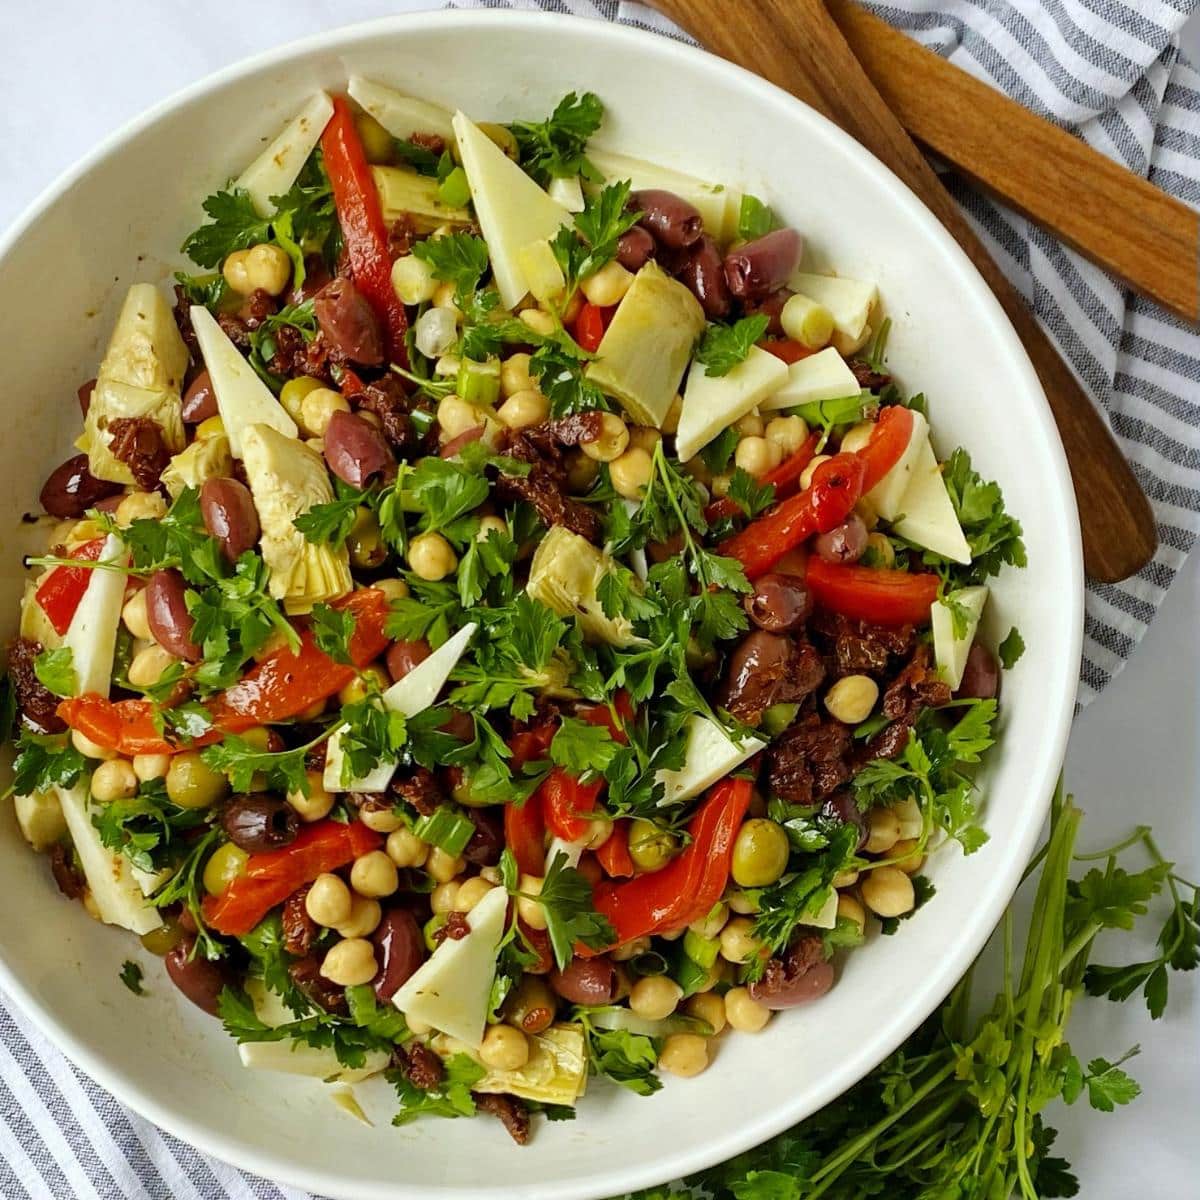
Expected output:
(701, 950)
(479, 382)
(454, 189)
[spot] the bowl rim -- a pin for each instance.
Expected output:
(1046, 757)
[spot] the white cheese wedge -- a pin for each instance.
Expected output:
(887, 496)
(316, 1062)
(512, 210)
(572, 850)
(151, 881)
(274, 171)
(826, 916)
(242, 398)
(452, 989)
(568, 192)
(849, 301)
(949, 649)
(92, 634)
(400, 115)
(710, 754)
(109, 875)
(711, 403)
(410, 695)
(40, 817)
(928, 517)
(820, 376)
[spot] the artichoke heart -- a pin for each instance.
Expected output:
(206, 458)
(556, 1073)
(287, 478)
(564, 575)
(141, 376)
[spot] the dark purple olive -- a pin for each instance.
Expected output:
(349, 322)
(168, 616)
(487, 842)
(845, 544)
(459, 725)
(842, 806)
(779, 603)
(759, 267)
(771, 307)
(704, 275)
(802, 974)
(981, 675)
(316, 276)
(200, 980)
(72, 489)
(229, 516)
(635, 248)
(84, 393)
(588, 980)
(757, 668)
(399, 949)
(260, 822)
(673, 221)
(199, 401)
(357, 451)
(403, 656)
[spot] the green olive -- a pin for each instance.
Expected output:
(165, 938)
(224, 865)
(760, 854)
(650, 846)
(377, 143)
(192, 783)
(294, 391)
(531, 1005)
(365, 542)
(430, 928)
(501, 135)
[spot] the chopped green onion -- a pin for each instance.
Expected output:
(689, 974)
(454, 190)
(649, 963)
(479, 382)
(615, 1017)
(701, 950)
(447, 829)
(777, 718)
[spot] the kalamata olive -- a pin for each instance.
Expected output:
(771, 307)
(316, 276)
(167, 614)
(842, 806)
(671, 219)
(72, 489)
(487, 842)
(981, 675)
(704, 275)
(199, 401)
(635, 248)
(403, 656)
(399, 949)
(260, 822)
(357, 451)
(588, 980)
(229, 515)
(349, 322)
(845, 544)
(801, 975)
(85, 395)
(779, 603)
(200, 980)
(459, 725)
(757, 667)
(756, 269)
(454, 446)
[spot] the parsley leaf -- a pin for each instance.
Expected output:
(186, 887)
(301, 317)
(450, 1098)
(432, 611)
(566, 899)
(332, 629)
(45, 761)
(581, 747)
(241, 761)
(208, 290)
(993, 536)
(556, 148)
(724, 347)
(755, 219)
(1011, 649)
(457, 258)
(718, 453)
(332, 522)
(560, 377)
(592, 243)
(147, 828)
(55, 670)
(235, 225)
(626, 1058)
(131, 977)
(748, 494)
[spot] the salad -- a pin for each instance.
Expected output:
(504, 623)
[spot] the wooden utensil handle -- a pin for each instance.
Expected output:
(1121, 222)
(796, 45)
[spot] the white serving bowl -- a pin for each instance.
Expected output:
(118, 217)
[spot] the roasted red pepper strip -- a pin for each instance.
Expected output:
(524, 828)
(786, 348)
(825, 504)
(60, 592)
(688, 886)
(271, 877)
(281, 686)
(784, 479)
(566, 803)
(889, 440)
(613, 856)
(590, 326)
(601, 714)
(363, 228)
(876, 594)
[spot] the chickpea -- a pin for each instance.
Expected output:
(879, 552)
(365, 541)
(88, 748)
(523, 409)
(381, 820)
(539, 321)
(140, 506)
(712, 924)
(670, 423)
(742, 903)
(514, 375)
(431, 557)
(650, 846)
(581, 472)
(224, 865)
(788, 433)
(455, 416)
(888, 892)
(405, 849)
(151, 766)
(329, 901)
(393, 589)
(370, 679)
(443, 867)
(192, 783)
(528, 909)
(364, 918)
(350, 962)
(631, 472)
(883, 830)
(857, 436)
(612, 442)
(907, 857)
(470, 893)
(135, 618)
(293, 393)
(504, 1048)
(317, 409)
(630, 950)
(114, 780)
(850, 909)
(374, 875)
(757, 455)
(806, 476)
(851, 699)
(744, 1013)
(644, 437)
(750, 425)
(443, 897)
(148, 665)
(655, 997)
(760, 854)
(490, 525)
(236, 273)
(608, 285)
(317, 803)
(684, 1054)
(738, 943)
(708, 1007)
(412, 280)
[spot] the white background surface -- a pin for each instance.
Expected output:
(74, 72)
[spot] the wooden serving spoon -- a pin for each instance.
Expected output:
(796, 45)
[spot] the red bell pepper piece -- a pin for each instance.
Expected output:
(889, 440)
(786, 348)
(590, 326)
(602, 714)
(567, 803)
(60, 592)
(688, 886)
(279, 687)
(785, 478)
(524, 826)
(613, 856)
(880, 595)
(271, 877)
(363, 228)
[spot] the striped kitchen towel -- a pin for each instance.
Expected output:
(1108, 68)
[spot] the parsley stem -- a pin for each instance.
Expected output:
(1140, 834)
